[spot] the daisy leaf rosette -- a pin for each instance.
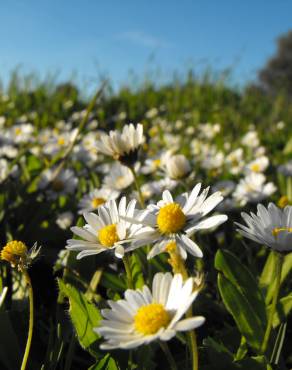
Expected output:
(105, 230)
(271, 226)
(177, 220)
(144, 315)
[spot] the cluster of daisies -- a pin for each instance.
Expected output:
(168, 225)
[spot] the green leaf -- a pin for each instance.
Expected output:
(84, 315)
(136, 269)
(240, 276)
(267, 279)
(106, 363)
(288, 147)
(283, 308)
(247, 320)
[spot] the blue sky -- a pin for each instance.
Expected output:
(112, 37)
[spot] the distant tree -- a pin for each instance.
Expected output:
(276, 75)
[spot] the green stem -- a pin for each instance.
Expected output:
(168, 355)
(141, 198)
(279, 265)
(30, 328)
(127, 265)
(193, 345)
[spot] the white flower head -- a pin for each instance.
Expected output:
(271, 226)
(97, 197)
(144, 315)
(258, 165)
(119, 177)
(105, 230)
(124, 145)
(177, 166)
(64, 220)
(176, 220)
(65, 183)
(253, 188)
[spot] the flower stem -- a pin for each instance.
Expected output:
(168, 355)
(193, 344)
(141, 198)
(127, 265)
(30, 328)
(279, 265)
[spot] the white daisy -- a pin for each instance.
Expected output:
(119, 177)
(65, 183)
(144, 316)
(177, 166)
(251, 139)
(258, 165)
(96, 198)
(177, 220)
(253, 188)
(271, 226)
(122, 146)
(104, 231)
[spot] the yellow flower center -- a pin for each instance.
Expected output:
(18, 131)
(150, 318)
(61, 141)
(108, 235)
(255, 167)
(170, 218)
(96, 202)
(13, 251)
(283, 201)
(57, 185)
(277, 230)
(157, 163)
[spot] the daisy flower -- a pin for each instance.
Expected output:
(119, 177)
(258, 165)
(122, 146)
(104, 231)
(271, 226)
(177, 167)
(253, 188)
(65, 183)
(96, 198)
(177, 220)
(144, 316)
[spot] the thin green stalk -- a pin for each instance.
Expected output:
(168, 355)
(70, 353)
(193, 344)
(141, 198)
(30, 327)
(279, 265)
(127, 265)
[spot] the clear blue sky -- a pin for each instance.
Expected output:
(93, 37)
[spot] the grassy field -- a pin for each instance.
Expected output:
(52, 170)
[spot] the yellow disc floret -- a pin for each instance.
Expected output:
(108, 235)
(149, 319)
(96, 202)
(283, 201)
(277, 230)
(13, 252)
(255, 167)
(170, 218)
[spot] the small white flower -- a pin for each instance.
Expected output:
(258, 165)
(234, 161)
(65, 183)
(271, 226)
(122, 146)
(177, 220)
(251, 139)
(253, 189)
(64, 220)
(177, 166)
(144, 316)
(119, 177)
(104, 231)
(97, 197)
